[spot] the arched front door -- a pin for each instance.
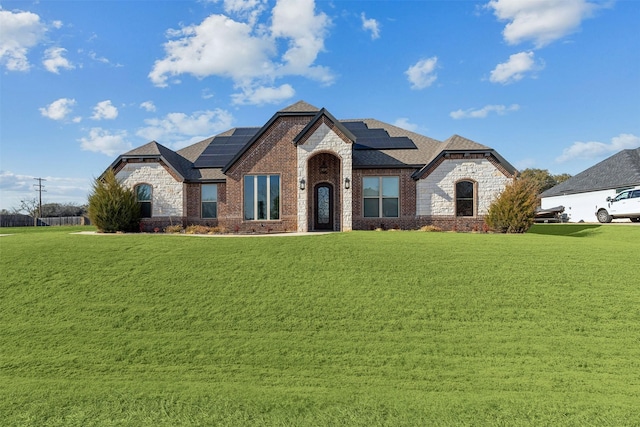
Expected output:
(323, 210)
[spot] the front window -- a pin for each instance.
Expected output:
(381, 196)
(209, 201)
(143, 196)
(261, 197)
(464, 198)
(621, 196)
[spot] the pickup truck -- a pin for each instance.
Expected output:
(625, 205)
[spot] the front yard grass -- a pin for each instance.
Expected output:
(360, 328)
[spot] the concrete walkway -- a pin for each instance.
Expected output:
(308, 233)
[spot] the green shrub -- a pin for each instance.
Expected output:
(514, 210)
(112, 206)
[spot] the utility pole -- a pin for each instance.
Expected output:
(39, 188)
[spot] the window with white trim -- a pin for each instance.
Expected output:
(261, 197)
(381, 196)
(209, 200)
(143, 196)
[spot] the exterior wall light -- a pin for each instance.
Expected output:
(302, 184)
(347, 183)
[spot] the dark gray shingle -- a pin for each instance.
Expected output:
(618, 171)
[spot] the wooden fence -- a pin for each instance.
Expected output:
(18, 220)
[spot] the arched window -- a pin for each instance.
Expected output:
(465, 198)
(143, 195)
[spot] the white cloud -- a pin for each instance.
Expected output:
(592, 149)
(12, 182)
(371, 25)
(541, 21)
(20, 32)
(54, 60)
(264, 95)
(104, 110)
(179, 129)
(104, 141)
(249, 53)
(148, 106)
(207, 94)
(515, 68)
(217, 46)
(250, 9)
(58, 109)
(483, 112)
(422, 74)
(305, 30)
(16, 187)
(404, 123)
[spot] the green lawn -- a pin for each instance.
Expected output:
(360, 328)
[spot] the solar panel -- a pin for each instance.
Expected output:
(388, 143)
(355, 125)
(376, 139)
(223, 148)
(245, 131)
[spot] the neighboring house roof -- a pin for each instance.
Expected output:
(618, 171)
(376, 144)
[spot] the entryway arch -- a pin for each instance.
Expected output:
(324, 175)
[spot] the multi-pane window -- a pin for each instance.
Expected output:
(381, 196)
(209, 198)
(143, 196)
(261, 197)
(464, 198)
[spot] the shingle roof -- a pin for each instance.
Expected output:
(618, 171)
(153, 150)
(457, 142)
(376, 145)
(300, 107)
(426, 148)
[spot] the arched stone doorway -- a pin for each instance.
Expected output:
(324, 204)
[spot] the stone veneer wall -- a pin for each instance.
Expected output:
(436, 191)
(324, 139)
(167, 191)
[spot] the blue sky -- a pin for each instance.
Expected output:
(550, 84)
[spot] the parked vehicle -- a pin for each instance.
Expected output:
(624, 205)
(551, 215)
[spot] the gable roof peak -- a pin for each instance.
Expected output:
(149, 149)
(300, 107)
(457, 142)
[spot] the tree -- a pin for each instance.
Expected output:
(514, 210)
(62, 209)
(112, 206)
(560, 178)
(543, 179)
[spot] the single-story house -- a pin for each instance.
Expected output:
(304, 170)
(581, 193)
